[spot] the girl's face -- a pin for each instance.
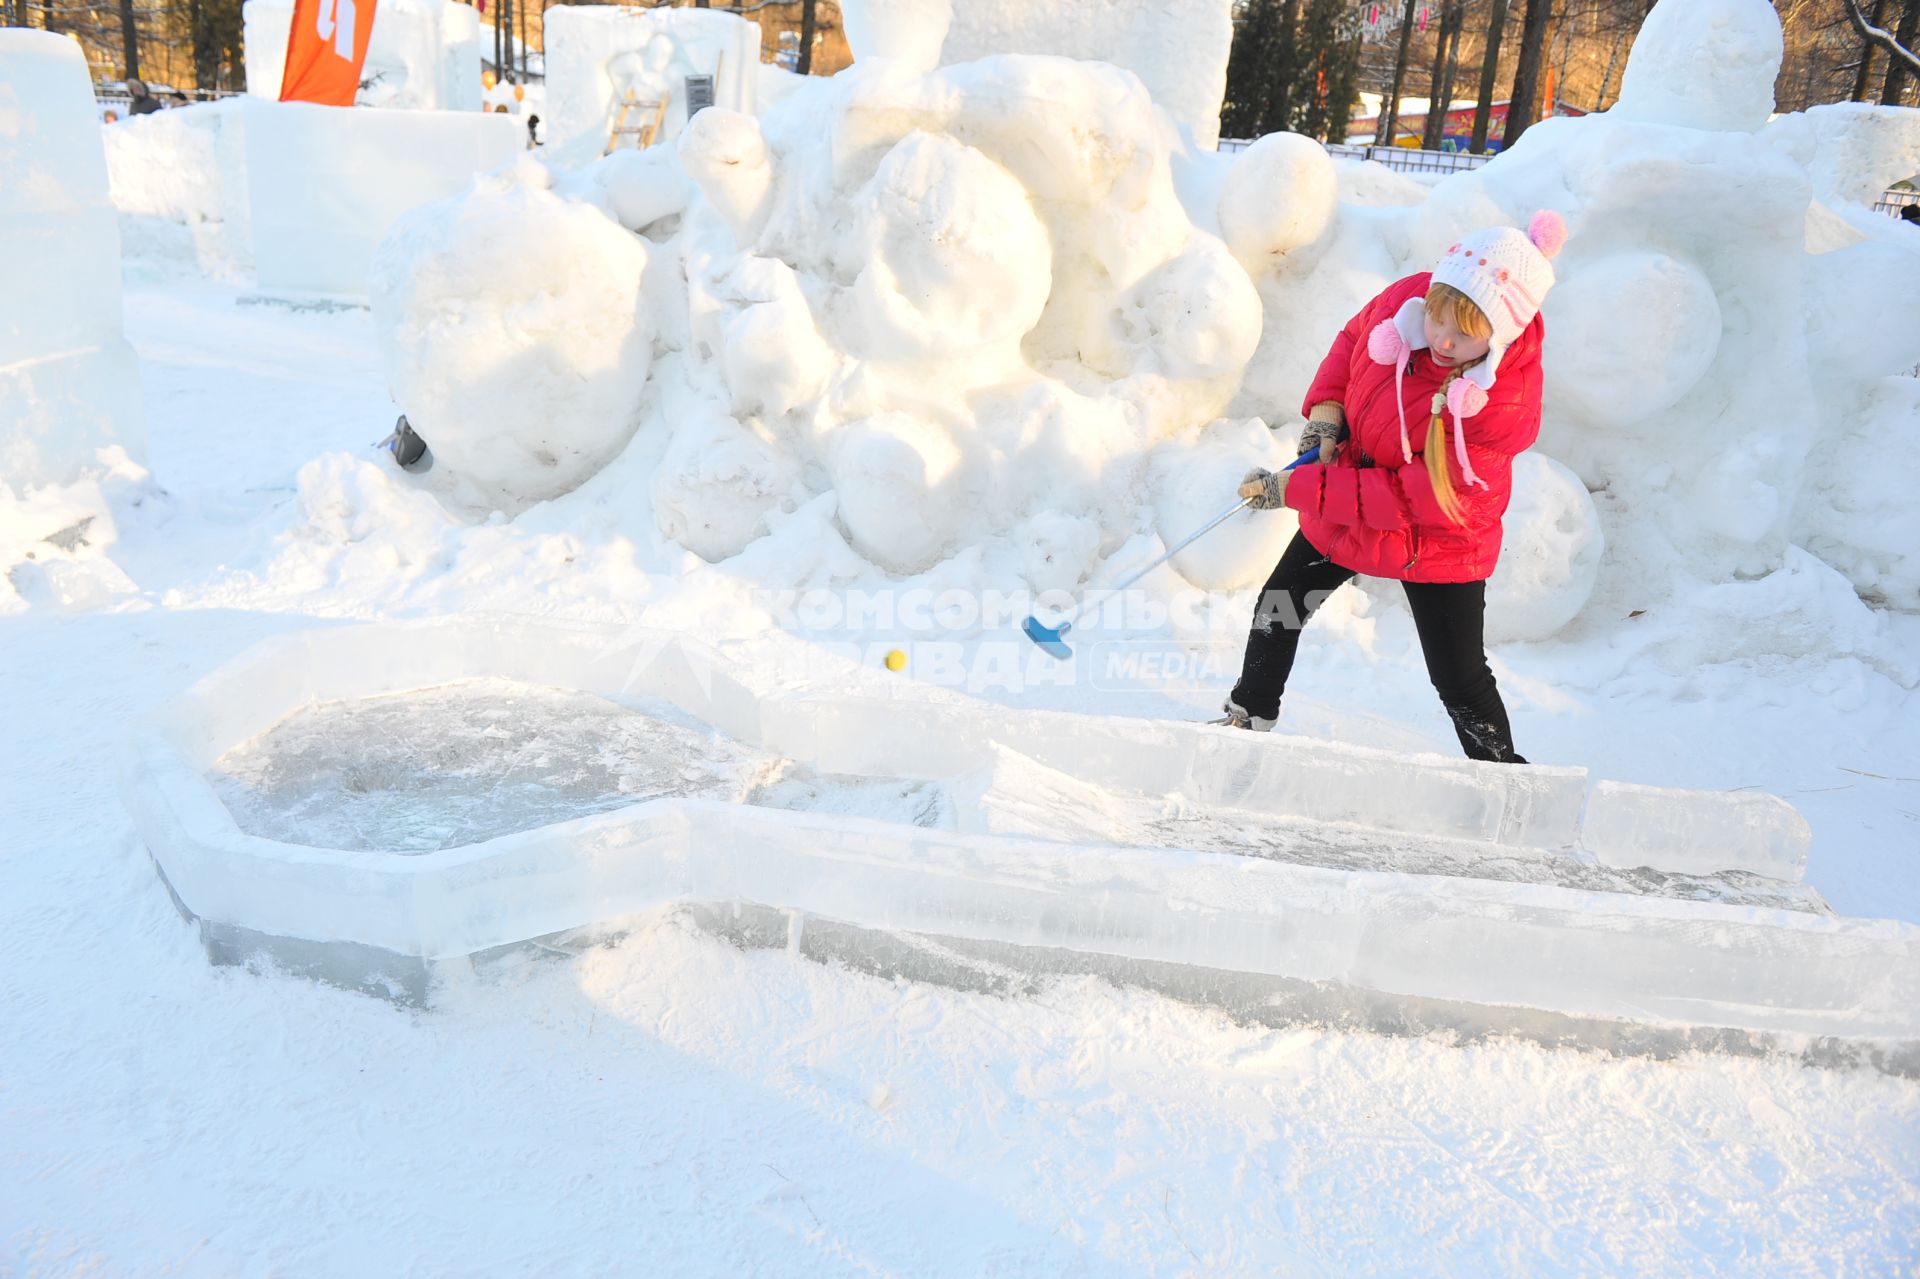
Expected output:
(1449, 347)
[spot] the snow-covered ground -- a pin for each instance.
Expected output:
(674, 1103)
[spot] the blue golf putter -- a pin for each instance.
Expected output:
(1052, 639)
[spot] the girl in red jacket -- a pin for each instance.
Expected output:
(1418, 412)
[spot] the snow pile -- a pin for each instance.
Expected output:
(600, 57)
(54, 539)
(423, 55)
(68, 384)
(992, 323)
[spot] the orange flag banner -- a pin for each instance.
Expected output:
(325, 50)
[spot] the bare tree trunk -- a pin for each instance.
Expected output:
(1489, 71)
(1863, 74)
(1893, 91)
(807, 20)
(1280, 107)
(1613, 60)
(130, 39)
(1446, 64)
(1390, 108)
(1524, 106)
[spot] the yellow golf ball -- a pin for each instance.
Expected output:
(896, 660)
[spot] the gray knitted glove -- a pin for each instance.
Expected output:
(1325, 436)
(1272, 489)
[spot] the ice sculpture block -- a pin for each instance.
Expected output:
(1484, 942)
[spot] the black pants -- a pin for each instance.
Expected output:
(1450, 617)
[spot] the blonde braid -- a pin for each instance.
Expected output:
(1436, 455)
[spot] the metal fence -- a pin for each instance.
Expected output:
(1401, 159)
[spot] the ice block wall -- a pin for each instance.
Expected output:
(68, 382)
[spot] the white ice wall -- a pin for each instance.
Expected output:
(1178, 48)
(595, 54)
(68, 384)
(324, 184)
(423, 54)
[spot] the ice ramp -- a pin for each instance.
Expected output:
(1465, 895)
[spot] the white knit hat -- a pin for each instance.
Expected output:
(1507, 276)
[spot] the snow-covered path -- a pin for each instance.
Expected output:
(672, 1104)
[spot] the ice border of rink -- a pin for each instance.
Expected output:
(1564, 951)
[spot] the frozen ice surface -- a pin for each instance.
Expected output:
(462, 763)
(459, 764)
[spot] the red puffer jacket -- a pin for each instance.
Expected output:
(1373, 513)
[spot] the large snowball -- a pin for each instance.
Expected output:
(774, 356)
(1195, 480)
(515, 338)
(1704, 64)
(900, 485)
(1280, 195)
(956, 258)
(1550, 557)
(1631, 334)
(714, 487)
(1196, 316)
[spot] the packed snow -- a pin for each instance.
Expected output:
(882, 363)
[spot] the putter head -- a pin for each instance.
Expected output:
(1051, 640)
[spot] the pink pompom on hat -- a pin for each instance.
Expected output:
(1506, 274)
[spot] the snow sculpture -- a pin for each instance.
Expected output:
(68, 383)
(600, 57)
(995, 307)
(423, 55)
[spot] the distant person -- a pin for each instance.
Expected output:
(533, 131)
(500, 108)
(142, 102)
(111, 117)
(1414, 439)
(1911, 214)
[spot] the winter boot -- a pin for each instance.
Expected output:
(1237, 717)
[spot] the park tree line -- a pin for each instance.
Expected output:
(1300, 65)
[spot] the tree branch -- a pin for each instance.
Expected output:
(1880, 36)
